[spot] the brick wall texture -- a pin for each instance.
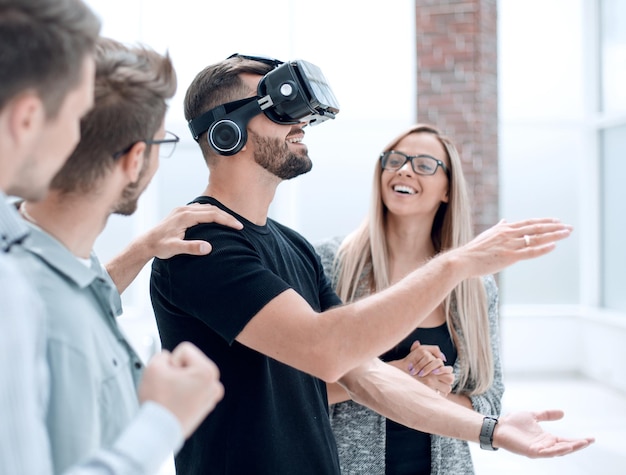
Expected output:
(457, 89)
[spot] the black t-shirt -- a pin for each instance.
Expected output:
(273, 418)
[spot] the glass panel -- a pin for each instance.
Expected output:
(614, 218)
(613, 55)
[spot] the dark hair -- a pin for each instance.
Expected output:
(218, 84)
(43, 44)
(132, 87)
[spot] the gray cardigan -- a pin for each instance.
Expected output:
(360, 432)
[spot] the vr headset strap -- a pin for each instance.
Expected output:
(248, 107)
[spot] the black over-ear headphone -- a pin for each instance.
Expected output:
(226, 125)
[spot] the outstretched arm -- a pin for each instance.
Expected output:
(289, 330)
(165, 240)
(397, 396)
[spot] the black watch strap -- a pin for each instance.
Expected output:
(486, 433)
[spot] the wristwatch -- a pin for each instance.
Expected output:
(486, 433)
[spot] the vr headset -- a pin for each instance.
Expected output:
(291, 93)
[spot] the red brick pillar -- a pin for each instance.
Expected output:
(457, 89)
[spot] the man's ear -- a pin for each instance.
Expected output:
(131, 162)
(26, 116)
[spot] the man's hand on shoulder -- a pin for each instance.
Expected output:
(167, 239)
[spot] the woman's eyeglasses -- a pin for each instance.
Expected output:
(421, 164)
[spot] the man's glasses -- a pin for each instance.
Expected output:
(421, 164)
(167, 145)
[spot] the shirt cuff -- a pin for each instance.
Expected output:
(152, 437)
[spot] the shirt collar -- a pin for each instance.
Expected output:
(13, 229)
(60, 258)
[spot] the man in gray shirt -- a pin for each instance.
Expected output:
(46, 85)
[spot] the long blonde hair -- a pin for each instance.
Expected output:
(452, 227)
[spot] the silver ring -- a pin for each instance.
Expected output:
(527, 239)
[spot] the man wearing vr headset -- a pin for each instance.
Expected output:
(261, 307)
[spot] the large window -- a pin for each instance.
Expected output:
(613, 143)
(613, 152)
(613, 54)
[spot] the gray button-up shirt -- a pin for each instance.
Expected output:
(23, 373)
(94, 371)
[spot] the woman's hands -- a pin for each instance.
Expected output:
(426, 363)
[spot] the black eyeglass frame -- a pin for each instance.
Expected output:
(173, 140)
(409, 158)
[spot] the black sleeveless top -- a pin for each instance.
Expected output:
(407, 451)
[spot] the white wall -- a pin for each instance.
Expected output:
(542, 136)
(542, 151)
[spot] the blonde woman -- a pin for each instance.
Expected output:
(419, 208)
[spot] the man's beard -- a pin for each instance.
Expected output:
(274, 155)
(127, 204)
